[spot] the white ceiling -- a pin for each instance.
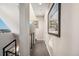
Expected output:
(38, 9)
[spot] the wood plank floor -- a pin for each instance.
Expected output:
(39, 49)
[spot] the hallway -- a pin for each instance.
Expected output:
(39, 49)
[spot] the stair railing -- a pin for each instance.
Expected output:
(4, 49)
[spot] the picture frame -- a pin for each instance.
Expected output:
(54, 17)
(36, 24)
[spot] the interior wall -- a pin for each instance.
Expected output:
(32, 14)
(67, 44)
(24, 29)
(39, 32)
(75, 24)
(32, 19)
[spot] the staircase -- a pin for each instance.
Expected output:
(11, 49)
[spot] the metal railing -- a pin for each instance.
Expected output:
(5, 53)
(32, 39)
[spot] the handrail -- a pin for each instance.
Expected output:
(9, 45)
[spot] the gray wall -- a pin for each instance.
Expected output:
(24, 30)
(39, 32)
(68, 43)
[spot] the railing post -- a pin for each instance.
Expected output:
(3, 52)
(6, 53)
(16, 48)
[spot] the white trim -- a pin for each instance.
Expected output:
(48, 49)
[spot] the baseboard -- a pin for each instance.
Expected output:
(48, 49)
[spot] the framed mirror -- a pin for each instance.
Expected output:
(54, 19)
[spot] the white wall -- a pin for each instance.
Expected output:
(9, 12)
(39, 32)
(32, 18)
(24, 30)
(75, 35)
(32, 14)
(68, 43)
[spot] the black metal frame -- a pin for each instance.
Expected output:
(4, 52)
(32, 40)
(59, 19)
(9, 52)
